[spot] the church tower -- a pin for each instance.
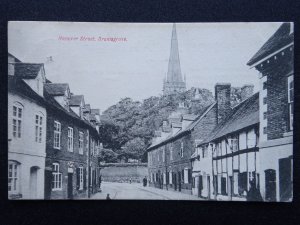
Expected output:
(174, 82)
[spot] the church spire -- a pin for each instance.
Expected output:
(174, 81)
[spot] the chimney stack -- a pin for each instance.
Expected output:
(247, 91)
(222, 97)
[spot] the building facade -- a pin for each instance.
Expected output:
(275, 63)
(174, 83)
(169, 155)
(70, 142)
(26, 130)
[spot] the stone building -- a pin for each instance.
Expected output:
(26, 130)
(174, 82)
(275, 63)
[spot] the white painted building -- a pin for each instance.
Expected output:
(26, 130)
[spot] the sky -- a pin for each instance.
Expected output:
(106, 71)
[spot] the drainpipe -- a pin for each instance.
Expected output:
(89, 169)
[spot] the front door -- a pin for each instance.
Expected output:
(33, 182)
(208, 187)
(285, 179)
(175, 181)
(179, 181)
(70, 185)
(200, 186)
(270, 177)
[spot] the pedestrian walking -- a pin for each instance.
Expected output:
(130, 180)
(145, 182)
(254, 194)
(107, 197)
(100, 180)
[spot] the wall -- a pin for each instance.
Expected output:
(63, 156)
(25, 150)
(123, 172)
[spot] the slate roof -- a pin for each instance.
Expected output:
(55, 89)
(278, 40)
(58, 108)
(184, 131)
(75, 100)
(242, 116)
(27, 70)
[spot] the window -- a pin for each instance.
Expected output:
(265, 100)
(70, 139)
(204, 151)
(81, 178)
(171, 152)
(186, 175)
(265, 115)
(13, 177)
(181, 150)
(265, 130)
(265, 85)
(57, 133)
(38, 128)
(291, 100)
(17, 120)
(56, 177)
(81, 143)
(251, 139)
(164, 155)
(234, 144)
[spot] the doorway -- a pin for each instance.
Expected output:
(179, 181)
(70, 185)
(285, 179)
(208, 187)
(175, 181)
(270, 177)
(33, 182)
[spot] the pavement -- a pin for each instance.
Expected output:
(136, 191)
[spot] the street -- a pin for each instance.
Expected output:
(137, 191)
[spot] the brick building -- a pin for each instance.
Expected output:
(169, 155)
(70, 139)
(275, 63)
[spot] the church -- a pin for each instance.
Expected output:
(174, 82)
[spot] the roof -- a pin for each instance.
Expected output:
(56, 89)
(27, 70)
(19, 86)
(16, 59)
(242, 116)
(184, 131)
(279, 39)
(76, 100)
(190, 117)
(95, 111)
(58, 108)
(87, 108)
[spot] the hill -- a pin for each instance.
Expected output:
(127, 127)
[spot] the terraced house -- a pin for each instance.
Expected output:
(71, 140)
(228, 158)
(169, 155)
(275, 63)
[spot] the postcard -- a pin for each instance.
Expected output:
(163, 111)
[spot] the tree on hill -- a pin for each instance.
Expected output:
(127, 127)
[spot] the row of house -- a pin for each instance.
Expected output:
(222, 152)
(53, 139)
